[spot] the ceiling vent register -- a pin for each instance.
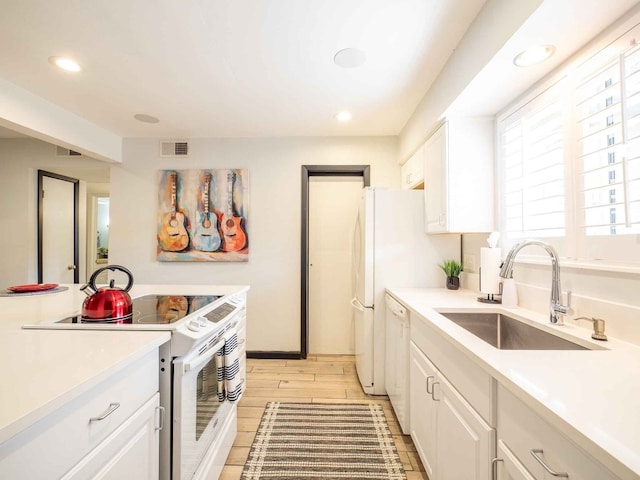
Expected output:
(174, 149)
(65, 152)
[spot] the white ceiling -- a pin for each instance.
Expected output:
(233, 68)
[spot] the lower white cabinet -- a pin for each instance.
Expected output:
(422, 374)
(538, 448)
(507, 465)
(107, 432)
(452, 439)
(131, 451)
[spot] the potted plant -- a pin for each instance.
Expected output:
(452, 269)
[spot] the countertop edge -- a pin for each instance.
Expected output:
(12, 429)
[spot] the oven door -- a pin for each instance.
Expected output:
(197, 410)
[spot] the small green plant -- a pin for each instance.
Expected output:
(451, 268)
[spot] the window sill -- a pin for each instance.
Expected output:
(573, 264)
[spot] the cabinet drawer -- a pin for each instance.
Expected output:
(50, 447)
(509, 467)
(471, 380)
(525, 431)
(131, 451)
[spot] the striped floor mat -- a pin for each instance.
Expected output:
(323, 441)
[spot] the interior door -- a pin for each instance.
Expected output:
(333, 203)
(58, 229)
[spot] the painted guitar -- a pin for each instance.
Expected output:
(173, 236)
(206, 237)
(234, 237)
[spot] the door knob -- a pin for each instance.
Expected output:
(71, 267)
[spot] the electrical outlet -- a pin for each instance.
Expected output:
(469, 263)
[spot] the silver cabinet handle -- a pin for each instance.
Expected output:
(161, 415)
(494, 470)
(430, 391)
(112, 408)
(536, 452)
(433, 391)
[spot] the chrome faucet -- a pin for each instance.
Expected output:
(556, 309)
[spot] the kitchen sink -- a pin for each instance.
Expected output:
(506, 333)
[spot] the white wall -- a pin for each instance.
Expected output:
(20, 160)
(273, 269)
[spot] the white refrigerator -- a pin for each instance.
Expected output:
(390, 249)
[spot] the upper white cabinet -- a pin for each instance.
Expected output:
(413, 170)
(458, 177)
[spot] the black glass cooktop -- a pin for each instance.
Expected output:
(157, 309)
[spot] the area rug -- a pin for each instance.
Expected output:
(323, 441)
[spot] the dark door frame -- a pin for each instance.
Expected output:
(317, 171)
(76, 221)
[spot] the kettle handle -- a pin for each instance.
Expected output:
(92, 280)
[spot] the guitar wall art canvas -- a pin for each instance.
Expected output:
(202, 215)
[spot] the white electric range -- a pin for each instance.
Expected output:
(201, 423)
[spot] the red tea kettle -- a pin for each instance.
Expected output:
(107, 304)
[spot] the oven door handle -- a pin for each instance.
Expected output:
(204, 357)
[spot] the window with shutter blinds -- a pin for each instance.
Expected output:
(533, 189)
(570, 159)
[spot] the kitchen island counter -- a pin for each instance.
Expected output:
(41, 370)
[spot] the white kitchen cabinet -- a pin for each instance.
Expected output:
(508, 466)
(452, 439)
(131, 451)
(412, 171)
(458, 177)
(534, 443)
(422, 373)
(110, 426)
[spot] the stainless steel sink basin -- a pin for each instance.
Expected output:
(507, 333)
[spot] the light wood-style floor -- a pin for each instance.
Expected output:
(319, 379)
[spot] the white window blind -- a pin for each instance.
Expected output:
(533, 180)
(608, 131)
(570, 157)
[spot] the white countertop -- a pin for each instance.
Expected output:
(41, 370)
(593, 397)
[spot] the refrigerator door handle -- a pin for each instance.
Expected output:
(355, 303)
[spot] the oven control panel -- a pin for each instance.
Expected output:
(220, 313)
(197, 329)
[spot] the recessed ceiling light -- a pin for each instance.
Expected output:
(65, 63)
(141, 117)
(343, 116)
(349, 58)
(534, 55)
